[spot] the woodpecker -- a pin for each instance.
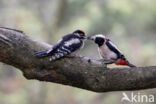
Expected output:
(109, 51)
(69, 44)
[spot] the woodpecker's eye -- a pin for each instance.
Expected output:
(81, 35)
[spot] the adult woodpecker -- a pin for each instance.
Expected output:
(69, 44)
(109, 51)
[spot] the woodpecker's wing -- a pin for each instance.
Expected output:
(55, 47)
(60, 43)
(114, 48)
(45, 53)
(68, 46)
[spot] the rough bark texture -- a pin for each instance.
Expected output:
(18, 50)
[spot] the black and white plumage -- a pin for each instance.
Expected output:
(69, 44)
(109, 51)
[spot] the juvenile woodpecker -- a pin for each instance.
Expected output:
(69, 44)
(109, 51)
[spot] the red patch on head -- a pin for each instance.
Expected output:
(121, 62)
(82, 31)
(104, 39)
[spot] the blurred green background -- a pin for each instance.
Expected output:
(131, 24)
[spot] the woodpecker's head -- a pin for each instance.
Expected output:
(98, 39)
(80, 33)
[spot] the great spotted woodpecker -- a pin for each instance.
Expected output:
(69, 44)
(109, 51)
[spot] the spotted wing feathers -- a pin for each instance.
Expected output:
(45, 53)
(66, 49)
(60, 52)
(66, 46)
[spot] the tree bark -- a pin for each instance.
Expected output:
(17, 49)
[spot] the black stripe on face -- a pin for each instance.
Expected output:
(99, 40)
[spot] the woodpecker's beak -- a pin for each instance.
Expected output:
(85, 37)
(90, 38)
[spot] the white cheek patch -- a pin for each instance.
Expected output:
(72, 41)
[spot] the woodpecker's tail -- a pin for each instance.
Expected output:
(131, 65)
(43, 53)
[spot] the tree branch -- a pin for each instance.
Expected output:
(18, 50)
